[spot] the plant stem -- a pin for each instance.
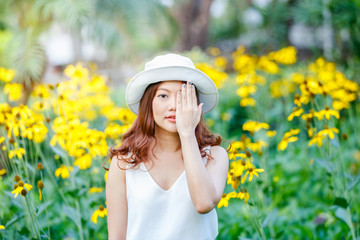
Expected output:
(351, 225)
(50, 174)
(36, 231)
(79, 219)
(25, 160)
(43, 196)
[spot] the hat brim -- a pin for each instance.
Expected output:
(207, 91)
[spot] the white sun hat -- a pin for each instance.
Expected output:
(171, 67)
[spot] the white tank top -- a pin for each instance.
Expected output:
(154, 213)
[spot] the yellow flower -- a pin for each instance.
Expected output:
(247, 102)
(40, 106)
(19, 188)
(250, 79)
(220, 62)
(313, 86)
(115, 131)
(251, 171)
(297, 101)
(309, 116)
(40, 185)
(296, 113)
(253, 126)
(317, 139)
(243, 194)
(256, 146)
(267, 65)
(327, 112)
(83, 162)
(285, 55)
(217, 76)
(63, 171)
(224, 201)
(288, 137)
(236, 146)
(297, 78)
(232, 180)
(244, 63)
(42, 91)
(101, 212)
(3, 171)
(311, 131)
(338, 105)
(76, 72)
(328, 132)
(6, 75)
(16, 152)
(14, 90)
(106, 175)
(238, 167)
(95, 190)
(2, 227)
(235, 155)
(271, 133)
(245, 91)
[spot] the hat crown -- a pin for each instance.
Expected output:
(169, 60)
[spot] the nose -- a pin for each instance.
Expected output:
(172, 104)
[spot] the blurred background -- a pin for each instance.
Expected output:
(39, 38)
(288, 74)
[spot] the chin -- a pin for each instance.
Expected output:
(170, 129)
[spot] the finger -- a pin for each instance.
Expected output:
(188, 94)
(178, 100)
(183, 96)
(194, 99)
(199, 110)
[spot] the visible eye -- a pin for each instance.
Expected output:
(162, 96)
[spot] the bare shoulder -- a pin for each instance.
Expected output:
(219, 157)
(117, 167)
(218, 152)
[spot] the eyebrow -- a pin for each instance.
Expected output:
(164, 89)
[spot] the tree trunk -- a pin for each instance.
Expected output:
(193, 18)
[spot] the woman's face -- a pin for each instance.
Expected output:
(164, 105)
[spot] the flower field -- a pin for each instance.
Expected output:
(294, 154)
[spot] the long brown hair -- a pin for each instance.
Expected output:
(138, 138)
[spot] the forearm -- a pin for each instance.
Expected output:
(201, 187)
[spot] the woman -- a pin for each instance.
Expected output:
(169, 173)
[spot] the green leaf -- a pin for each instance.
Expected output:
(43, 206)
(344, 215)
(71, 213)
(14, 219)
(328, 166)
(270, 218)
(339, 201)
(353, 183)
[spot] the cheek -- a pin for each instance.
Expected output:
(157, 108)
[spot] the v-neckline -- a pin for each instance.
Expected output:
(157, 185)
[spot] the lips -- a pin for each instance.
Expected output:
(171, 118)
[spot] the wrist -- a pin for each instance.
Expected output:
(186, 135)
